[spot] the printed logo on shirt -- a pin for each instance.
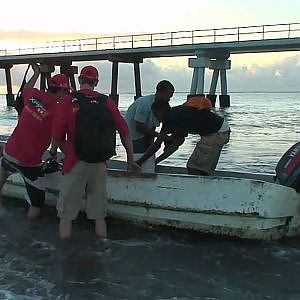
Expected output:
(37, 108)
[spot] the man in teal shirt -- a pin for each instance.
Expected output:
(142, 122)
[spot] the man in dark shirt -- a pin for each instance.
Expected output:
(179, 121)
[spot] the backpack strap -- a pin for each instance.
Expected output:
(103, 97)
(78, 97)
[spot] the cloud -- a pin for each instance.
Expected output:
(282, 76)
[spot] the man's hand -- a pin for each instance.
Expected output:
(36, 68)
(134, 167)
(36, 73)
(168, 141)
(138, 162)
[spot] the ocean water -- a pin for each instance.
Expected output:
(263, 125)
(152, 263)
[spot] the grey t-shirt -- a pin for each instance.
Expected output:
(140, 111)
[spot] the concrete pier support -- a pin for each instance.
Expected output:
(10, 98)
(137, 80)
(212, 98)
(70, 71)
(114, 82)
(46, 71)
(199, 64)
(224, 100)
(219, 65)
(214, 81)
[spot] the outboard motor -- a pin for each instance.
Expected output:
(288, 168)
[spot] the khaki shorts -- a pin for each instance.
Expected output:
(84, 179)
(207, 152)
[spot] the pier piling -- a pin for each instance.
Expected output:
(46, 70)
(137, 80)
(212, 99)
(70, 71)
(114, 82)
(10, 98)
(219, 67)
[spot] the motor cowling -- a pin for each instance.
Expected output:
(288, 168)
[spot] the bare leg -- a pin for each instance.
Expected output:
(100, 227)
(65, 228)
(33, 212)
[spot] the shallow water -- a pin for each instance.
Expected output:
(151, 263)
(139, 263)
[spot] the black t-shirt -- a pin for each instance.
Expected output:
(182, 120)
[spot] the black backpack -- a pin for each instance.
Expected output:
(95, 129)
(288, 168)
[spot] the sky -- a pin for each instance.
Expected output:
(29, 22)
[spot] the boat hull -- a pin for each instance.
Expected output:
(229, 206)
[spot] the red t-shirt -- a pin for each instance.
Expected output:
(65, 123)
(32, 135)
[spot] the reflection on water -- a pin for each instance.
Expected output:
(145, 263)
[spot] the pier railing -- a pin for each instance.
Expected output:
(173, 38)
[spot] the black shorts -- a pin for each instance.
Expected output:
(31, 176)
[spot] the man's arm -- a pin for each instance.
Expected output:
(55, 144)
(125, 136)
(144, 129)
(36, 73)
(127, 143)
(170, 149)
(153, 148)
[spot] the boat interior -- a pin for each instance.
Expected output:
(119, 165)
(163, 169)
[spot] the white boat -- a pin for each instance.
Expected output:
(234, 204)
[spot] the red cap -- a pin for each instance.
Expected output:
(60, 81)
(89, 72)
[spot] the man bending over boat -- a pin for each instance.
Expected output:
(32, 137)
(188, 119)
(89, 120)
(142, 122)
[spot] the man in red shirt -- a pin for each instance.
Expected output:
(78, 175)
(32, 137)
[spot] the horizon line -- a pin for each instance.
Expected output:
(186, 92)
